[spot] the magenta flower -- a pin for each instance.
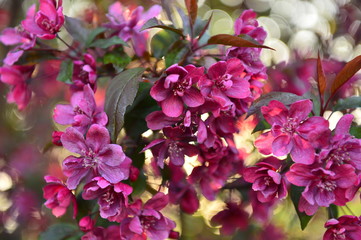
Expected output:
(146, 221)
(58, 197)
(18, 78)
(231, 219)
(267, 181)
(112, 199)
(323, 187)
(224, 81)
(292, 131)
(127, 23)
(86, 224)
(97, 156)
(176, 89)
(175, 146)
(250, 57)
(45, 23)
(81, 113)
(16, 36)
(343, 148)
(84, 73)
(345, 227)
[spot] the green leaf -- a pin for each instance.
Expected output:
(355, 131)
(230, 40)
(284, 97)
(332, 211)
(93, 34)
(117, 57)
(176, 53)
(155, 23)
(76, 29)
(162, 42)
(348, 103)
(262, 125)
(108, 42)
(143, 105)
(120, 94)
(66, 71)
(59, 231)
(139, 185)
(296, 193)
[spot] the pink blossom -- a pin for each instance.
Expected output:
(267, 180)
(97, 156)
(177, 89)
(345, 227)
(112, 198)
(56, 138)
(292, 131)
(231, 219)
(58, 197)
(323, 187)
(100, 233)
(45, 23)
(250, 57)
(81, 113)
(175, 146)
(18, 78)
(146, 222)
(16, 36)
(225, 80)
(86, 224)
(127, 23)
(343, 148)
(84, 73)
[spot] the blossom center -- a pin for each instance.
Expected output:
(181, 86)
(339, 155)
(327, 185)
(90, 158)
(224, 82)
(49, 26)
(148, 221)
(174, 150)
(290, 125)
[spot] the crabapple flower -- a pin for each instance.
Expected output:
(97, 156)
(84, 73)
(292, 131)
(231, 219)
(81, 113)
(18, 77)
(343, 148)
(345, 227)
(225, 80)
(58, 197)
(176, 146)
(127, 23)
(86, 224)
(267, 181)
(250, 57)
(323, 186)
(112, 199)
(45, 23)
(176, 89)
(146, 222)
(21, 38)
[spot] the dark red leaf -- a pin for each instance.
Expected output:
(346, 73)
(226, 39)
(321, 78)
(192, 9)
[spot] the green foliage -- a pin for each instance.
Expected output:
(60, 231)
(120, 94)
(93, 34)
(296, 193)
(76, 29)
(108, 42)
(66, 71)
(155, 23)
(262, 125)
(348, 103)
(162, 42)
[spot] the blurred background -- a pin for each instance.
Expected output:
(297, 30)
